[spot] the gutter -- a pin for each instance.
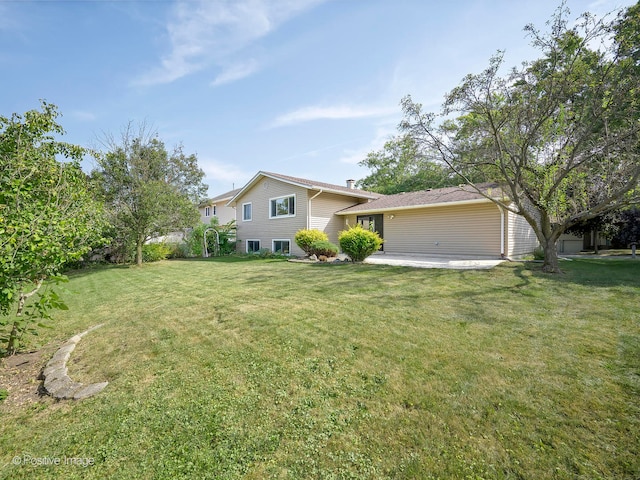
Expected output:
(309, 209)
(502, 255)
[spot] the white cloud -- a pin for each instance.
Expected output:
(83, 116)
(382, 135)
(203, 33)
(336, 112)
(221, 172)
(236, 72)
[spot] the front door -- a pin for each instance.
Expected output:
(373, 223)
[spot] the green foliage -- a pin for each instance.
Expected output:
(400, 166)
(359, 243)
(224, 234)
(538, 253)
(179, 250)
(49, 217)
(149, 191)
(4, 393)
(305, 238)
(154, 252)
(323, 247)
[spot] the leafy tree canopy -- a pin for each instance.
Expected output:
(48, 215)
(150, 192)
(402, 166)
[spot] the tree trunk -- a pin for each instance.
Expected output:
(550, 264)
(139, 252)
(12, 344)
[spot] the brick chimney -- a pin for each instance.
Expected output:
(351, 184)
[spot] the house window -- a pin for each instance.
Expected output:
(246, 212)
(215, 210)
(207, 211)
(281, 247)
(282, 207)
(253, 246)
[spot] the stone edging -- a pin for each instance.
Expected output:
(56, 381)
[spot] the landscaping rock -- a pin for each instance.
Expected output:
(89, 390)
(56, 381)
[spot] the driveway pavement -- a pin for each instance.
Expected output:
(425, 261)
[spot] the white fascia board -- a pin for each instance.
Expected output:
(415, 207)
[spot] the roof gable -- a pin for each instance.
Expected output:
(219, 198)
(308, 184)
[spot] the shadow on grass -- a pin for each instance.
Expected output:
(593, 272)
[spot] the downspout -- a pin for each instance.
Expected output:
(501, 231)
(309, 209)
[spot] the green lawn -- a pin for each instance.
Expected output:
(267, 369)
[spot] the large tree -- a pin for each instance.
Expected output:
(402, 166)
(560, 134)
(149, 192)
(48, 218)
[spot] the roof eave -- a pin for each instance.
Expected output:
(414, 207)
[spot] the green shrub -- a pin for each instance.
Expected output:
(4, 393)
(359, 243)
(154, 252)
(226, 238)
(323, 247)
(306, 238)
(179, 250)
(538, 253)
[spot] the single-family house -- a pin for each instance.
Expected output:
(445, 221)
(272, 207)
(217, 207)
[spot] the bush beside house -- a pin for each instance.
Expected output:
(359, 243)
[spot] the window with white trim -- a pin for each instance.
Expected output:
(282, 207)
(215, 210)
(207, 211)
(246, 212)
(281, 247)
(253, 246)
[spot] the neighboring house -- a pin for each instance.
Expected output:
(445, 221)
(271, 208)
(217, 207)
(569, 243)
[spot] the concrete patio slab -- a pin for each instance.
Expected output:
(425, 261)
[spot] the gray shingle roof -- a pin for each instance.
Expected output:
(311, 184)
(222, 196)
(424, 198)
(324, 186)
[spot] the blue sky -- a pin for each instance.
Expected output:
(300, 87)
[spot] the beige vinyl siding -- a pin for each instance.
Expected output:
(444, 230)
(266, 229)
(323, 209)
(521, 239)
(225, 214)
(568, 243)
